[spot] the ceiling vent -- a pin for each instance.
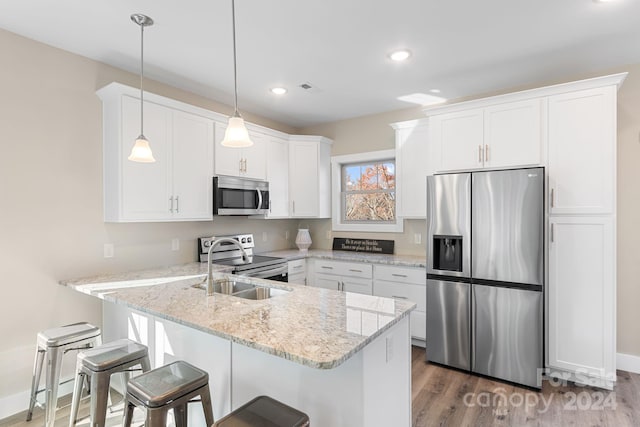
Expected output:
(308, 87)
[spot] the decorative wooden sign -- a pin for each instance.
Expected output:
(375, 246)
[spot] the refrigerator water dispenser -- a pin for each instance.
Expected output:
(447, 253)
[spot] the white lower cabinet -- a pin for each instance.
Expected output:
(405, 283)
(581, 299)
(343, 276)
(297, 271)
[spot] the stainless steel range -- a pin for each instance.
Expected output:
(228, 253)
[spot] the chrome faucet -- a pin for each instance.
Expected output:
(216, 242)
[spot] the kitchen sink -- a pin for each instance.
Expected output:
(242, 289)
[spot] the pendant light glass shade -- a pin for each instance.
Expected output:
(236, 134)
(141, 151)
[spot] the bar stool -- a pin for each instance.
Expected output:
(54, 343)
(264, 411)
(98, 364)
(169, 387)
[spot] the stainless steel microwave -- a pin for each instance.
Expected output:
(240, 196)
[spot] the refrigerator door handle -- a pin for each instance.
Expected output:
(552, 237)
(474, 323)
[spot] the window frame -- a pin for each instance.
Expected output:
(337, 208)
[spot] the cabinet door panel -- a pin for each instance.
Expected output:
(582, 137)
(360, 286)
(192, 165)
(419, 325)
(327, 282)
(461, 139)
(146, 187)
(581, 295)
(512, 134)
(227, 159)
(278, 177)
(303, 179)
(255, 157)
(414, 161)
(413, 293)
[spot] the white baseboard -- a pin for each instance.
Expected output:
(628, 362)
(19, 402)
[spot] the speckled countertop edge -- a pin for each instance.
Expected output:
(264, 325)
(398, 260)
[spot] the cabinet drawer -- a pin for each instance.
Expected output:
(416, 276)
(297, 266)
(351, 269)
(298, 279)
(414, 293)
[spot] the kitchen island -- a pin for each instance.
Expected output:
(342, 358)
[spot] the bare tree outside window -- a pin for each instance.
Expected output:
(369, 192)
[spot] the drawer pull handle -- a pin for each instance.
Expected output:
(398, 297)
(297, 266)
(356, 271)
(398, 275)
(324, 266)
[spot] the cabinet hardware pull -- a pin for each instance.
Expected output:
(269, 206)
(177, 204)
(240, 167)
(294, 207)
(342, 286)
(245, 165)
(479, 153)
(552, 237)
(486, 153)
(398, 275)
(171, 204)
(398, 297)
(297, 266)
(325, 266)
(355, 271)
(552, 198)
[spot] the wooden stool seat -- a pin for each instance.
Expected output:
(264, 411)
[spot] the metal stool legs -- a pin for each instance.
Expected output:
(51, 346)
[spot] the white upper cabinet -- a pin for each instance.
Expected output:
(310, 176)
(177, 187)
(460, 137)
(249, 162)
(278, 177)
(582, 132)
(415, 160)
(498, 136)
(513, 134)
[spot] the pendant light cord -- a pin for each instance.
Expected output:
(141, 79)
(235, 76)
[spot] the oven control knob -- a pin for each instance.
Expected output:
(248, 239)
(244, 240)
(206, 243)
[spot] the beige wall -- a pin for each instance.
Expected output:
(373, 133)
(51, 224)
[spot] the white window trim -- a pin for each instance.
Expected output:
(336, 181)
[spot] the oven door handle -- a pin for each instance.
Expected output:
(263, 274)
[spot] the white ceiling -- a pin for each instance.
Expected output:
(462, 47)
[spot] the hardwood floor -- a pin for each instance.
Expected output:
(447, 397)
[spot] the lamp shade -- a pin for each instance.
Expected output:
(141, 152)
(236, 134)
(303, 239)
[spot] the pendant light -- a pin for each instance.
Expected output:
(141, 152)
(236, 134)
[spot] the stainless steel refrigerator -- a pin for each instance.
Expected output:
(485, 274)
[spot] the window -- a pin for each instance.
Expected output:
(364, 192)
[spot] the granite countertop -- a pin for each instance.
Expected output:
(399, 260)
(316, 327)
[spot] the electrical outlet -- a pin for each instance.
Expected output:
(329, 235)
(417, 238)
(389, 342)
(175, 244)
(286, 235)
(264, 236)
(108, 250)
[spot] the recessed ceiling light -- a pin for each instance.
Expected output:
(400, 55)
(435, 91)
(603, 1)
(278, 90)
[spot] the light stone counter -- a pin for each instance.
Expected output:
(399, 260)
(315, 327)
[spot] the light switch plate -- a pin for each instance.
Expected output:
(264, 236)
(286, 235)
(175, 244)
(108, 250)
(417, 238)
